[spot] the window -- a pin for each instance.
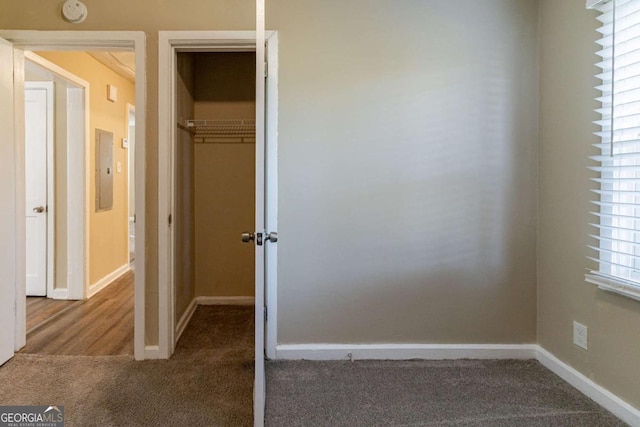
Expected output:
(616, 213)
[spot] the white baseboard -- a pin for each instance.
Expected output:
(225, 300)
(604, 397)
(152, 352)
(59, 294)
(405, 351)
(186, 317)
(107, 280)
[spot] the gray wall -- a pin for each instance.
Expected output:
(407, 160)
(407, 169)
(567, 39)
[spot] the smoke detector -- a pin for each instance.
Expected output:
(74, 11)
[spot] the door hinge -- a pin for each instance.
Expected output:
(135, 218)
(266, 69)
(266, 315)
(170, 219)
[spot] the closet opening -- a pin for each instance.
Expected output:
(242, 338)
(214, 201)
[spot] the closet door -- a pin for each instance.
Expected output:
(259, 389)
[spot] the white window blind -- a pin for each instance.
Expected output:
(616, 225)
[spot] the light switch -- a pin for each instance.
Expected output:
(119, 167)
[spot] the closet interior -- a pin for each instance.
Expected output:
(215, 179)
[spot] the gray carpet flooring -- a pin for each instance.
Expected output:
(425, 393)
(208, 381)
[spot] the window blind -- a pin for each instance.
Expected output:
(616, 202)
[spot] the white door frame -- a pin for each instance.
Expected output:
(69, 41)
(129, 110)
(77, 237)
(208, 41)
(169, 43)
(48, 87)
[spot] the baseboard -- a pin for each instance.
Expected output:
(225, 300)
(59, 294)
(186, 317)
(153, 352)
(604, 397)
(107, 280)
(404, 351)
(599, 394)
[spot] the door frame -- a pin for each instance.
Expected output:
(73, 41)
(48, 87)
(129, 111)
(170, 42)
(77, 237)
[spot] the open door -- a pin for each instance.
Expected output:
(259, 388)
(8, 232)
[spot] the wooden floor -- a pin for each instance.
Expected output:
(41, 309)
(102, 325)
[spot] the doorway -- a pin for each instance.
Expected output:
(19, 42)
(214, 187)
(57, 137)
(39, 184)
(56, 327)
(264, 233)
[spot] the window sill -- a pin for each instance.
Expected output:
(616, 286)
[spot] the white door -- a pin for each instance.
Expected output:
(37, 131)
(8, 203)
(259, 388)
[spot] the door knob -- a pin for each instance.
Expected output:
(272, 237)
(247, 237)
(38, 209)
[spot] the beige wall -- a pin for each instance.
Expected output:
(108, 230)
(224, 177)
(225, 85)
(184, 213)
(567, 41)
(407, 160)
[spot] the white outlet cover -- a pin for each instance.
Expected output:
(580, 335)
(74, 11)
(119, 167)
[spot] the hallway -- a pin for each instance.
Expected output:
(99, 326)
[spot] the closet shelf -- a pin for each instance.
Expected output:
(222, 131)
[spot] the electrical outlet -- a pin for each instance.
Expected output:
(580, 335)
